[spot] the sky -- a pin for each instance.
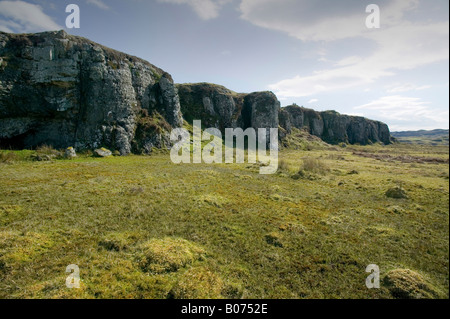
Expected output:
(318, 54)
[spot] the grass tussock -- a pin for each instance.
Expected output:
(283, 166)
(198, 283)
(8, 157)
(314, 165)
(47, 150)
(408, 284)
(168, 255)
(396, 193)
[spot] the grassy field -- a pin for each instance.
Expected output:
(142, 227)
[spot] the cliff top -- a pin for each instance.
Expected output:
(40, 39)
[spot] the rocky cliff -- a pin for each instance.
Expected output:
(335, 128)
(63, 90)
(219, 107)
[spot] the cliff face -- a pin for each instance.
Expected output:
(64, 91)
(221, 108)
(215, 105)
(335, 128)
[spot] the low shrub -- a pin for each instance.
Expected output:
(314, 165)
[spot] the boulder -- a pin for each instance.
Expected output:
(103, 152)
(70, 153)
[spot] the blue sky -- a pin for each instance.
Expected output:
(316, 53)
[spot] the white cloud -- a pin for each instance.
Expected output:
(313, 101)
(351, 60)
(402, 47)
(402, 109)
(321, 20)
(98, 3)
(399, 88)
(205, 9)
(21, 16)
(400, 44)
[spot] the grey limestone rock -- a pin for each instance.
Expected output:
(60, 90)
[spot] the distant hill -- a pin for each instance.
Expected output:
(434, 137)
(422, 133)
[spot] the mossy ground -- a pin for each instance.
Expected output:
(235, 232)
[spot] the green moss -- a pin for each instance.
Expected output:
(151, 124)
(113, 65)
(156, 75)
(199, 283)
(168, 255)
(27, 247)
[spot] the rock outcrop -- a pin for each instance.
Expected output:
(62, 90)
(214, 105)
(221, 108)
(261, 110)
(335, 128)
